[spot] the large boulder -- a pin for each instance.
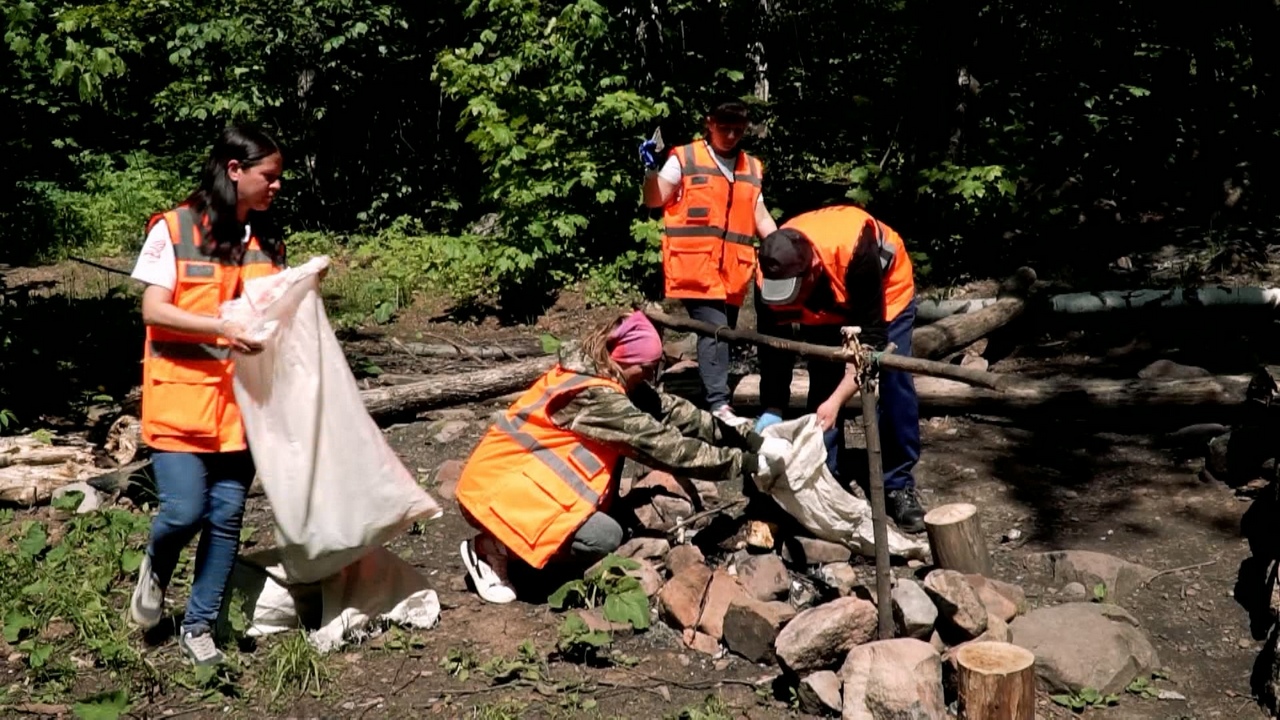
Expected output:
(1085, 645)
(898, 679)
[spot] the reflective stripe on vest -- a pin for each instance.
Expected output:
(887, 251)
(513, 427)
(179, 350)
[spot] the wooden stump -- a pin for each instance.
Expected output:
(955, 539)
(995, 681)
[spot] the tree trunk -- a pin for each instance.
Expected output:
(1065, 394)
(494, 351)
(995, 681)
(409, 399)
(957, 331)
(928, 311)
(955, 539)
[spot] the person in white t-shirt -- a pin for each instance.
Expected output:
(700, 205)
(196, 257)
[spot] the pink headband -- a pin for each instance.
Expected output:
(635, 341)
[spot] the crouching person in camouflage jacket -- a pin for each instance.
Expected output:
(541, 482)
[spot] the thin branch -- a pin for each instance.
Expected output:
(1171, 571)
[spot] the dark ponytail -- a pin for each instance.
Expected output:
(216, 197)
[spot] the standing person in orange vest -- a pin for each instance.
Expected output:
(713, 211)
(196, 257)
(829, 268)
(541, 482)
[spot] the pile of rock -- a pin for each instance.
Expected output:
(811, 612)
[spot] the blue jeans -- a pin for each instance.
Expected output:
(713, 354)
(898, 409)
(200, 493)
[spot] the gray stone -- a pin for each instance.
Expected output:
(898, 679)
(1120, 577)
(913, 611)
(817, 638)
(1080, 645)
(820, 693)
(91, 501)
(961, 614)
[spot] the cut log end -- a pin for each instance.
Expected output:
(955, 539)
(995, 681)
(950, 514)
(993, 658)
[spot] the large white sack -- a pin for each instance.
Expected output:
(377, 590)
(811, 495)
(336, 487)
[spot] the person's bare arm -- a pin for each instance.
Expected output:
(765, 224)
(158, 310)
(656, 190)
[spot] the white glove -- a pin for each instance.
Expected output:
(773, 456)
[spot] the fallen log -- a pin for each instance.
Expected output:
(1083, 303)
(953, 333)
(456, 388)
(930, 310)
(1018, 396)
(483, 351)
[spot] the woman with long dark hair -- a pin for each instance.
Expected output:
(196, 257)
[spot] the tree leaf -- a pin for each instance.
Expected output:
(14, 623)
(34, 541)
(570, 593)
(103, 706)
(131, 560)
(629, 607)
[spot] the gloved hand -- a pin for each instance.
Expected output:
(767, 419)
(649, 154)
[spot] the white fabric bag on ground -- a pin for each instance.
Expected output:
(811, 495)
(377, 590)
(336, 487)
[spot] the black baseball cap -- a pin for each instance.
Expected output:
(785, 258)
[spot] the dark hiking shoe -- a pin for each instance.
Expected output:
(903, 507)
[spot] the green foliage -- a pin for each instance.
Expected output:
(608, 584)
(67, 593)
(106, 212)
(553, 117)
(711, 708)
(1085, 699)
(459, 662)
(295, 667)
(578, 640)
(102, 706)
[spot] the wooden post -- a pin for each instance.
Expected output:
(995, 681)
(955, 539)
(879, 527)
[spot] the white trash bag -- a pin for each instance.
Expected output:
(811, 495)
(336, 487)
(371, 593)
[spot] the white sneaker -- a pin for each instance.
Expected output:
(146, 609)
(725, 415)
(486, 562)
(200, 648)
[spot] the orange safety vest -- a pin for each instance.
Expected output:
(532, 484)
(708, 250)
(833, 232)
(188, 401)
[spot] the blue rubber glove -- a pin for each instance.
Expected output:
(649, 154)
(765, 420)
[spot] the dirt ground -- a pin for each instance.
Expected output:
(1102, 481)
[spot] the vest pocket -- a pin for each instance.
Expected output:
(182, 409)
(691, 264)
(546, 499)
(199, 289)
